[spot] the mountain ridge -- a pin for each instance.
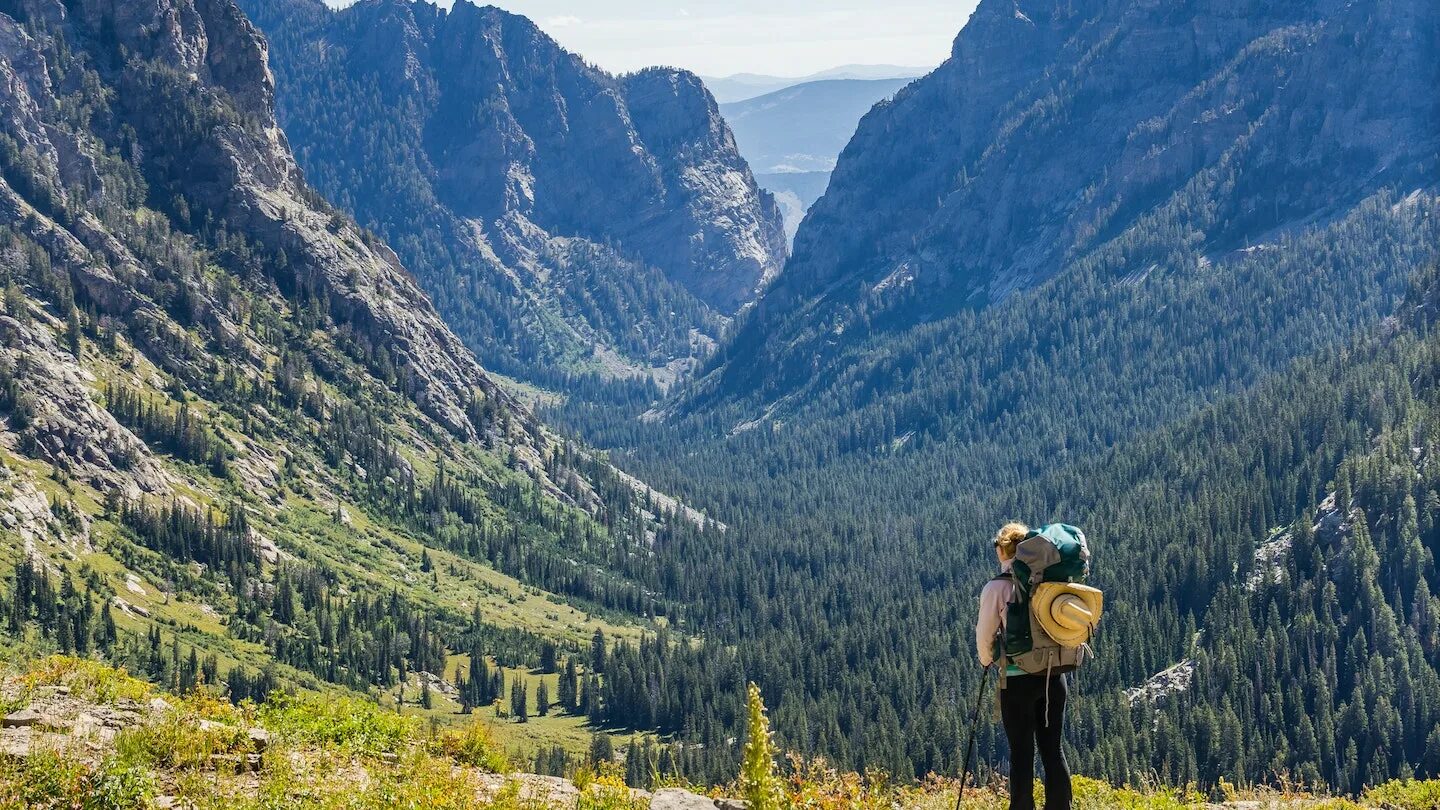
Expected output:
(1205, 117)
(739, 87)
(549, 207)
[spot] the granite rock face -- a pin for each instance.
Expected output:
(62, 425)
(236, 168)
(549, 207)
(1107, 132)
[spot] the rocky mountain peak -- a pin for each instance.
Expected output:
(610, 218)
(209, 39)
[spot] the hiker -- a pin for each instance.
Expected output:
(1032, 706)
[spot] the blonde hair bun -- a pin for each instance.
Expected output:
(1009, 537)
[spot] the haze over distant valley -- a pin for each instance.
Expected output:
(793, 136)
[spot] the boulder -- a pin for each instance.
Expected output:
(677, 799)
(37, 718)
(15, 742)
(25, 718)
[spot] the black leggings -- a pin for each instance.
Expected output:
(1022, 707)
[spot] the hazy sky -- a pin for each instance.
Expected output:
(721, 37)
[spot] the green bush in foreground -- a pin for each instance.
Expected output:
(472, 745)
(353, 725)
(1405, 795)
(47, 779)
(86, 679)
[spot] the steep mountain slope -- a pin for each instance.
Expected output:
(1201, 530)
(230, 419)
(1099, 134)
(563, 219)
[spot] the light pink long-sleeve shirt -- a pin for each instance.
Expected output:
(993, 599)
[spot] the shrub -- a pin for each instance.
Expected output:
(181, 742)
(42, 780)
(816, 784)
(1093, 793)
(421, 781)
(117, 785)
(354, 725)
(47, 779)
(87, 680)
(472, 745)
(605, 789)
(1407, 794)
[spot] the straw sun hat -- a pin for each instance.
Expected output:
(1067, 612)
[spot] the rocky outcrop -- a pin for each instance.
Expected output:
(249, 180)
(56, 420)
(678, 799)
(722, 236)
(1112, 135)
(584, 208)
(51, 719)
(1159, 687)
(166, 249)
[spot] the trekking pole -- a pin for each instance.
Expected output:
(970, 746)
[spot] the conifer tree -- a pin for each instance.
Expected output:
(601, 749)
(597, 651)
(519, 693)
(569, 697)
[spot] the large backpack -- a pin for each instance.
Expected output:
(1052, 614)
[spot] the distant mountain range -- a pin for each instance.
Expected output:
(742, 86)
(793, 136)
(804, 128)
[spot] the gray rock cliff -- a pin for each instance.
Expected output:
(549, 207)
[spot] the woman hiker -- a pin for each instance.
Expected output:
(1032, 707)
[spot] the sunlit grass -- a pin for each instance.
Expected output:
(336, 751)
(86, 679)
(352, 725)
